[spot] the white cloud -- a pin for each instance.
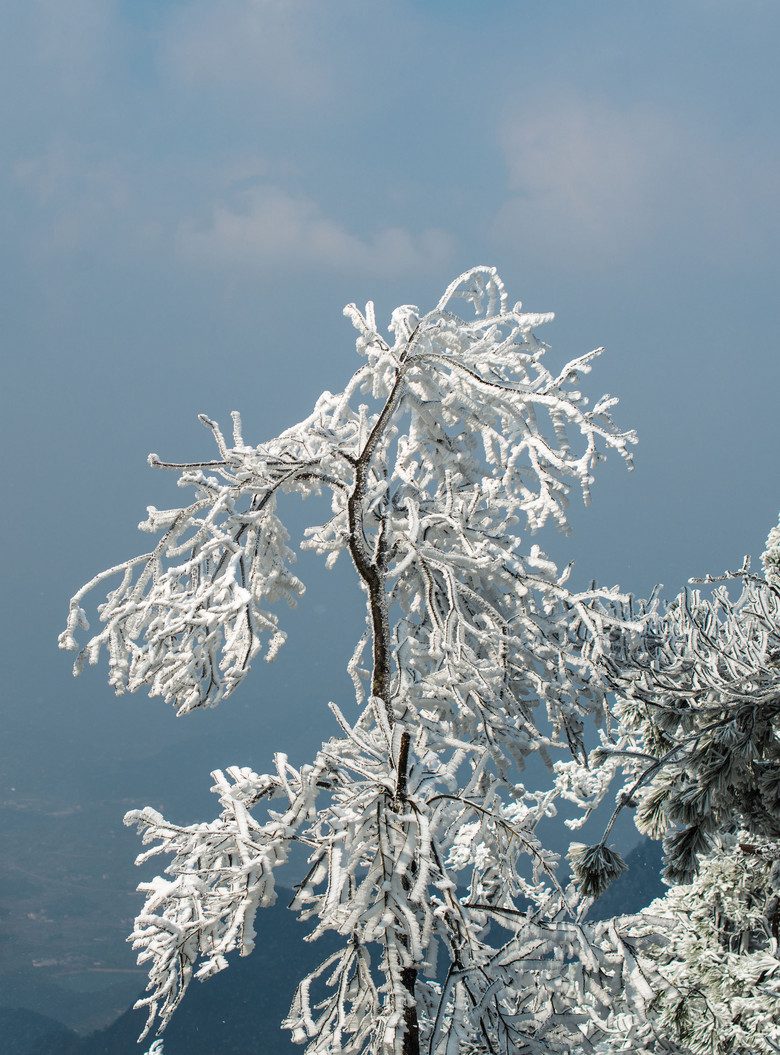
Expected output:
(267, 225)
(594, 180)
(265, 51)
(75, 198)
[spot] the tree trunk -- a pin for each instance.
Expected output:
(371, 570)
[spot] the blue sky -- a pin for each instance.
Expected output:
(191, 192)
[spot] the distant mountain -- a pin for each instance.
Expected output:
(236, 1010)
(28, 1033)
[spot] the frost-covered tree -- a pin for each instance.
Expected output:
(695, 734)
(719, 952)
(695, 725)
(715, 943)
(458, 934)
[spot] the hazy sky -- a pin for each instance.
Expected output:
(190, 193)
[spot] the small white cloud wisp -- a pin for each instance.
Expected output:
(268, 225)
(594, 180)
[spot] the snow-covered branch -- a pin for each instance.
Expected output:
(424, 850)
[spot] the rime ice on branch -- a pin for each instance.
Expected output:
(694, 723)
(475, 655)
